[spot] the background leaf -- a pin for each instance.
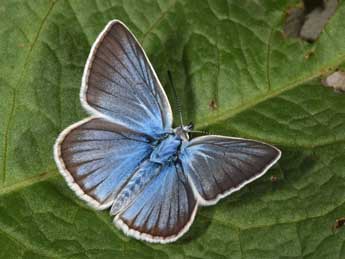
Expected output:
(237, 75)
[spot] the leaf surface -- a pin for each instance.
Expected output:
(236, 74)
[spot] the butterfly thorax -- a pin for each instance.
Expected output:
(167, 148)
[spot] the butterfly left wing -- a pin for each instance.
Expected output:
(218, 166)
(98, 157)
(119, 83)
(163, 211)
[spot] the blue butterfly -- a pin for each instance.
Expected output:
(129, 158)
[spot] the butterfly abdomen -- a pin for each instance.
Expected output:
(139, 180)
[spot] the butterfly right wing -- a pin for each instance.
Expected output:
(218, 165)
(98, 157)
(161, 208)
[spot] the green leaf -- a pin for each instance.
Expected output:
(237, 75)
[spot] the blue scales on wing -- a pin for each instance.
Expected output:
(120, 83)
(130, 111)
(99, 157)
(164, 209)
(220, 165)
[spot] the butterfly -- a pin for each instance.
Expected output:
(128, 158)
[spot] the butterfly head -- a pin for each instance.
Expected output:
(183, 130)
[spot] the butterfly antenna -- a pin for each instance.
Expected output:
(203, 132)
(177, 100)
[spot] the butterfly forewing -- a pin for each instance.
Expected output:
(220, 165)
(120, 84)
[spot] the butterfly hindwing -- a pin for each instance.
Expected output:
(164, 210)
(97, 158)
(220, 165)
(120, 84)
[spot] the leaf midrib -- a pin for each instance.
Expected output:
(28, 182)
(21, 77)
(232, 112)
